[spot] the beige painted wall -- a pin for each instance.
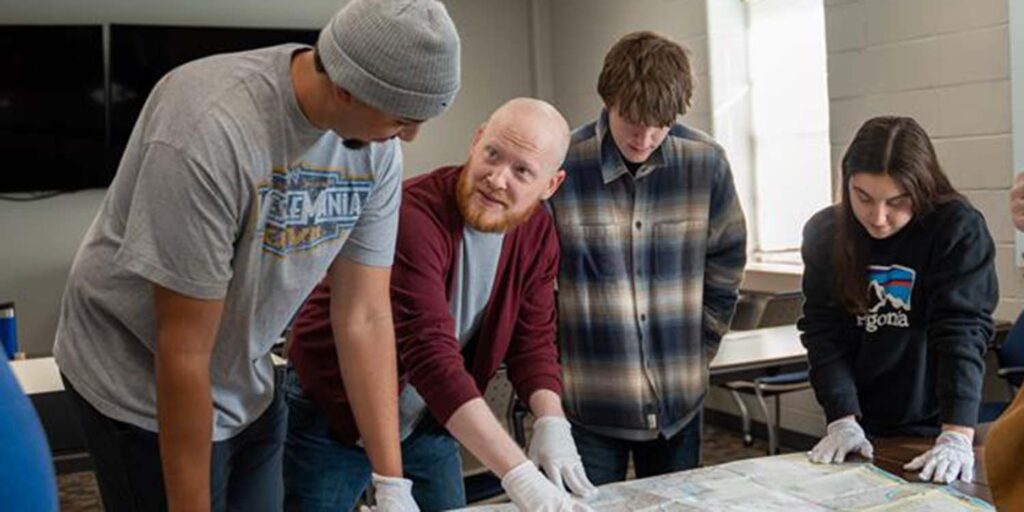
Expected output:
(39, 239)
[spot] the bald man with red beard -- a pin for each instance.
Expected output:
(472, 287)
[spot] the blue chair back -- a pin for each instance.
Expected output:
(1011, 352)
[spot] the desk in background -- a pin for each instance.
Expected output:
(752, 353)
(758, 350)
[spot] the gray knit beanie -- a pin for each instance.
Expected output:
(398, 56)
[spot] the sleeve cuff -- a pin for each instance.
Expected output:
(444, 402)
(961, 411)
(156, 274)
(527, 388)
(839, 406)
(367, 257)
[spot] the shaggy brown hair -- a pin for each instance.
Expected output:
(647, 78)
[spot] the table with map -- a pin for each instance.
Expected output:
(784, 483)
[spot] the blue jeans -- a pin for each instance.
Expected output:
(606, 459)
(321, 473)
(245, 471)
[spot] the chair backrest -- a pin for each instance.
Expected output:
(748, 312)
(782, 309)
(1011, 352)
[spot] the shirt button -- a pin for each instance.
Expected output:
(643, 317)
(638, 225)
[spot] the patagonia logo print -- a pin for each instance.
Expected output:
(890, 289)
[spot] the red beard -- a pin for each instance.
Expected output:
(477, 217)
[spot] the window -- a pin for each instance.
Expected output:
(770, 111)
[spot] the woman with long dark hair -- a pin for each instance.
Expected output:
(900, 286)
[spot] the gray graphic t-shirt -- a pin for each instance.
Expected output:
(226, 191)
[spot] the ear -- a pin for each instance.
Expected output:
(342, 95)
(556, 181)
(479, 133)
(476, 138)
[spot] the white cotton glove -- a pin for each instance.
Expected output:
(531, 492)
(952, 456)
(553, 449)
(392, 494)
(844, 436)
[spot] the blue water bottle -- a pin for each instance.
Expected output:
(8, 329)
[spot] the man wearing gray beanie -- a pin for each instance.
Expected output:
(247, 178)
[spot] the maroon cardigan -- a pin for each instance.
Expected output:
(518, 325)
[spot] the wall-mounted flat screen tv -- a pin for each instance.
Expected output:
(52, 108)
(142, 54)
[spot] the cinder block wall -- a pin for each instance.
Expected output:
(945, 63)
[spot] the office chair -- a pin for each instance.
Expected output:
(769, 310)
(1010, 355)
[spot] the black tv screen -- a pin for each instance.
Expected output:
(142, 54)
(52, 108)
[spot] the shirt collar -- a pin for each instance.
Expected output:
(612, 165)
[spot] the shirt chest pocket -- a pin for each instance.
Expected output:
(679, 248)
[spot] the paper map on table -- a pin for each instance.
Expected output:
(785, 483)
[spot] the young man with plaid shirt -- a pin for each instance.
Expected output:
(653, 248)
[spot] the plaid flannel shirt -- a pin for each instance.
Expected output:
(651, 264)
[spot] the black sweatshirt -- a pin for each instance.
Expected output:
(916, 359)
